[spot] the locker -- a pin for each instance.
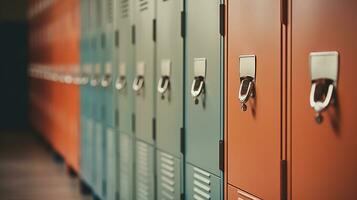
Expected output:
(125, 73)
(323, 48)
(169, 99)
(107, 84)
(98, 98)
(204, 100)
(143, 86)
(254, 99)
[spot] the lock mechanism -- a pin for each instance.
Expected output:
(120, 83)
(198, 84)
(247, 65)
(164, 82)
(138, 82)
(84, 77)
(94, 82)
(107, 79)
(324, 73)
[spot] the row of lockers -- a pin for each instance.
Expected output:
(211, 99)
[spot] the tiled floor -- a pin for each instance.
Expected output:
(28, 171)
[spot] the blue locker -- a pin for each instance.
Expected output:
(204, 100)
(107, 88)
(169, 99)
(125, 106)
(144, 87)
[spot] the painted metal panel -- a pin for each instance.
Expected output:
(169, 76)
(126, 166)
(125, 66)
(204, 70)
(169, 176)
(254, 102)
(169, 98)
(111, 166)
(144, 175)
(323, 158)
(200, 184)
(145, 69)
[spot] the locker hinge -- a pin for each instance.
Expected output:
(284, 180)
(182, 196)
(116, 117)
(183, 24)
(133, 34)
(222, 19)
(182, 138)
(284, 12)
(221, 155)
(154, 129)
(133, 122)
(102, 40)
(117, 38)
(154, 30)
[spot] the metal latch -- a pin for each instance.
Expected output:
(120, 83)
(138, 82)
(247, 65)
(107, 79)
(164, 82)
(198, 84)
(324, 73)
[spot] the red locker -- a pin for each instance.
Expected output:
(254, 99)
(323, 57)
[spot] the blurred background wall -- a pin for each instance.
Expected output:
(13, 61)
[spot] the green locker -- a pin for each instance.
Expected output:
(169, 99)
(98, 98)
(143, 86)
(84, 92)
(204, 100)
(107, 83)
(125, 72)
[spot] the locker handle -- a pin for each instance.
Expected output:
(94, 81)
(84, 80)
(120, 83)
(106, 81)
(246, 90)
(197, 88)
(163, 85)
(138, 83)
(323, 100)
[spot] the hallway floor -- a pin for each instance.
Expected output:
(28, 171)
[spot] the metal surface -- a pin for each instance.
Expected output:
(323, 158)
(254, 137)
(203, 119)
(169, 80)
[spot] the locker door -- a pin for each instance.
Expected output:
(125, 72)
(323, 54)
(169, 98)
(107, 84)
(254, 97)
(203, 96)
(143, 86)
(98, 95)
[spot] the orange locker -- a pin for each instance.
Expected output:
(254, 99)
(323, 99)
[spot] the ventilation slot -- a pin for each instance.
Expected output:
(110, 11)
(125, 8)
(142, 172)
(201, 185)
(167, 176)
(143, 5)
(125, 166)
